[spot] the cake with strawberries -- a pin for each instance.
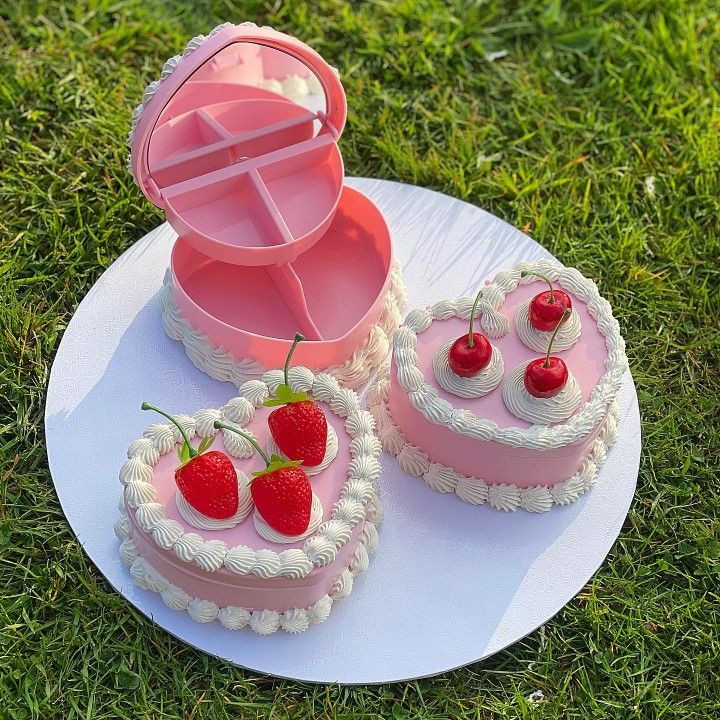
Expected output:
(507, 398)
(258, 514)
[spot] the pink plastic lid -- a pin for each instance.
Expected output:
(237, 142)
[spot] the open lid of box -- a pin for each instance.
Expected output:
(237, 142)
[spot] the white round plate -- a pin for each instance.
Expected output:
(450, 583)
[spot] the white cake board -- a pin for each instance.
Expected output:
(450, 583)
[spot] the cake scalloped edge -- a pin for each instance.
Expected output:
(426, 400)
(222, 365)
(507, 496)
(263, 622)
(358, 499)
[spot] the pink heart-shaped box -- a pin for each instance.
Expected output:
(238, 143)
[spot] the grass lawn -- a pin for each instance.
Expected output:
(592, 124)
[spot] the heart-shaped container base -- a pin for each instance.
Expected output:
(344, 294)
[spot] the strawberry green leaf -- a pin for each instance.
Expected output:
(184, 453)
(284, 395)
(273, 402)
(284, 392)
(205, 443)
(277, 463)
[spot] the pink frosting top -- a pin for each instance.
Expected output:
(326, 484)
(585, 359)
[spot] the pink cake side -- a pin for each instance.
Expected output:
(492, 461)
(248, 591)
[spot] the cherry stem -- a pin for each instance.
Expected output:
(225, 426)
(564, 317)
(298, 338)
(191, 450)
(471, 341)
(551, 299)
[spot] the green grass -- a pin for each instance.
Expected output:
(593, 125)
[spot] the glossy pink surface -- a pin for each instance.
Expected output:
(270, 241)
(224, 587)
(217, 135)
(492, 461)
(260, 210)
(228, 66)
(245, 174)
(333, 293)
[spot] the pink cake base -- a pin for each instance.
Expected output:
(496, 462)
(248, 591)
(492, 461)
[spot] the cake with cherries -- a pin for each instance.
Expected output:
(508, 398)
(257, 514)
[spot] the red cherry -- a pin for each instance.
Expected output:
(546, 309)
(545, 380)
(546, 377)
(467, 361)
(471, 352)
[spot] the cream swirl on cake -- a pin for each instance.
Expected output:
(467, 387)
(203, 522)
(567, 336)
(538, 410)
(331, 449)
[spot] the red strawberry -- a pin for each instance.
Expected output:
(281, 492)
(283, 497)
(207, 480)
(209, 483)
(300, 427)
(300, 431)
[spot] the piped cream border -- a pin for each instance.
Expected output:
(263, 622)
(425, 398)
(474, 490)
(358, 499)
(222, 365)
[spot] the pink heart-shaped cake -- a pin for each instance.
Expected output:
(498, 436)
(240, 569)
(238, 143)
